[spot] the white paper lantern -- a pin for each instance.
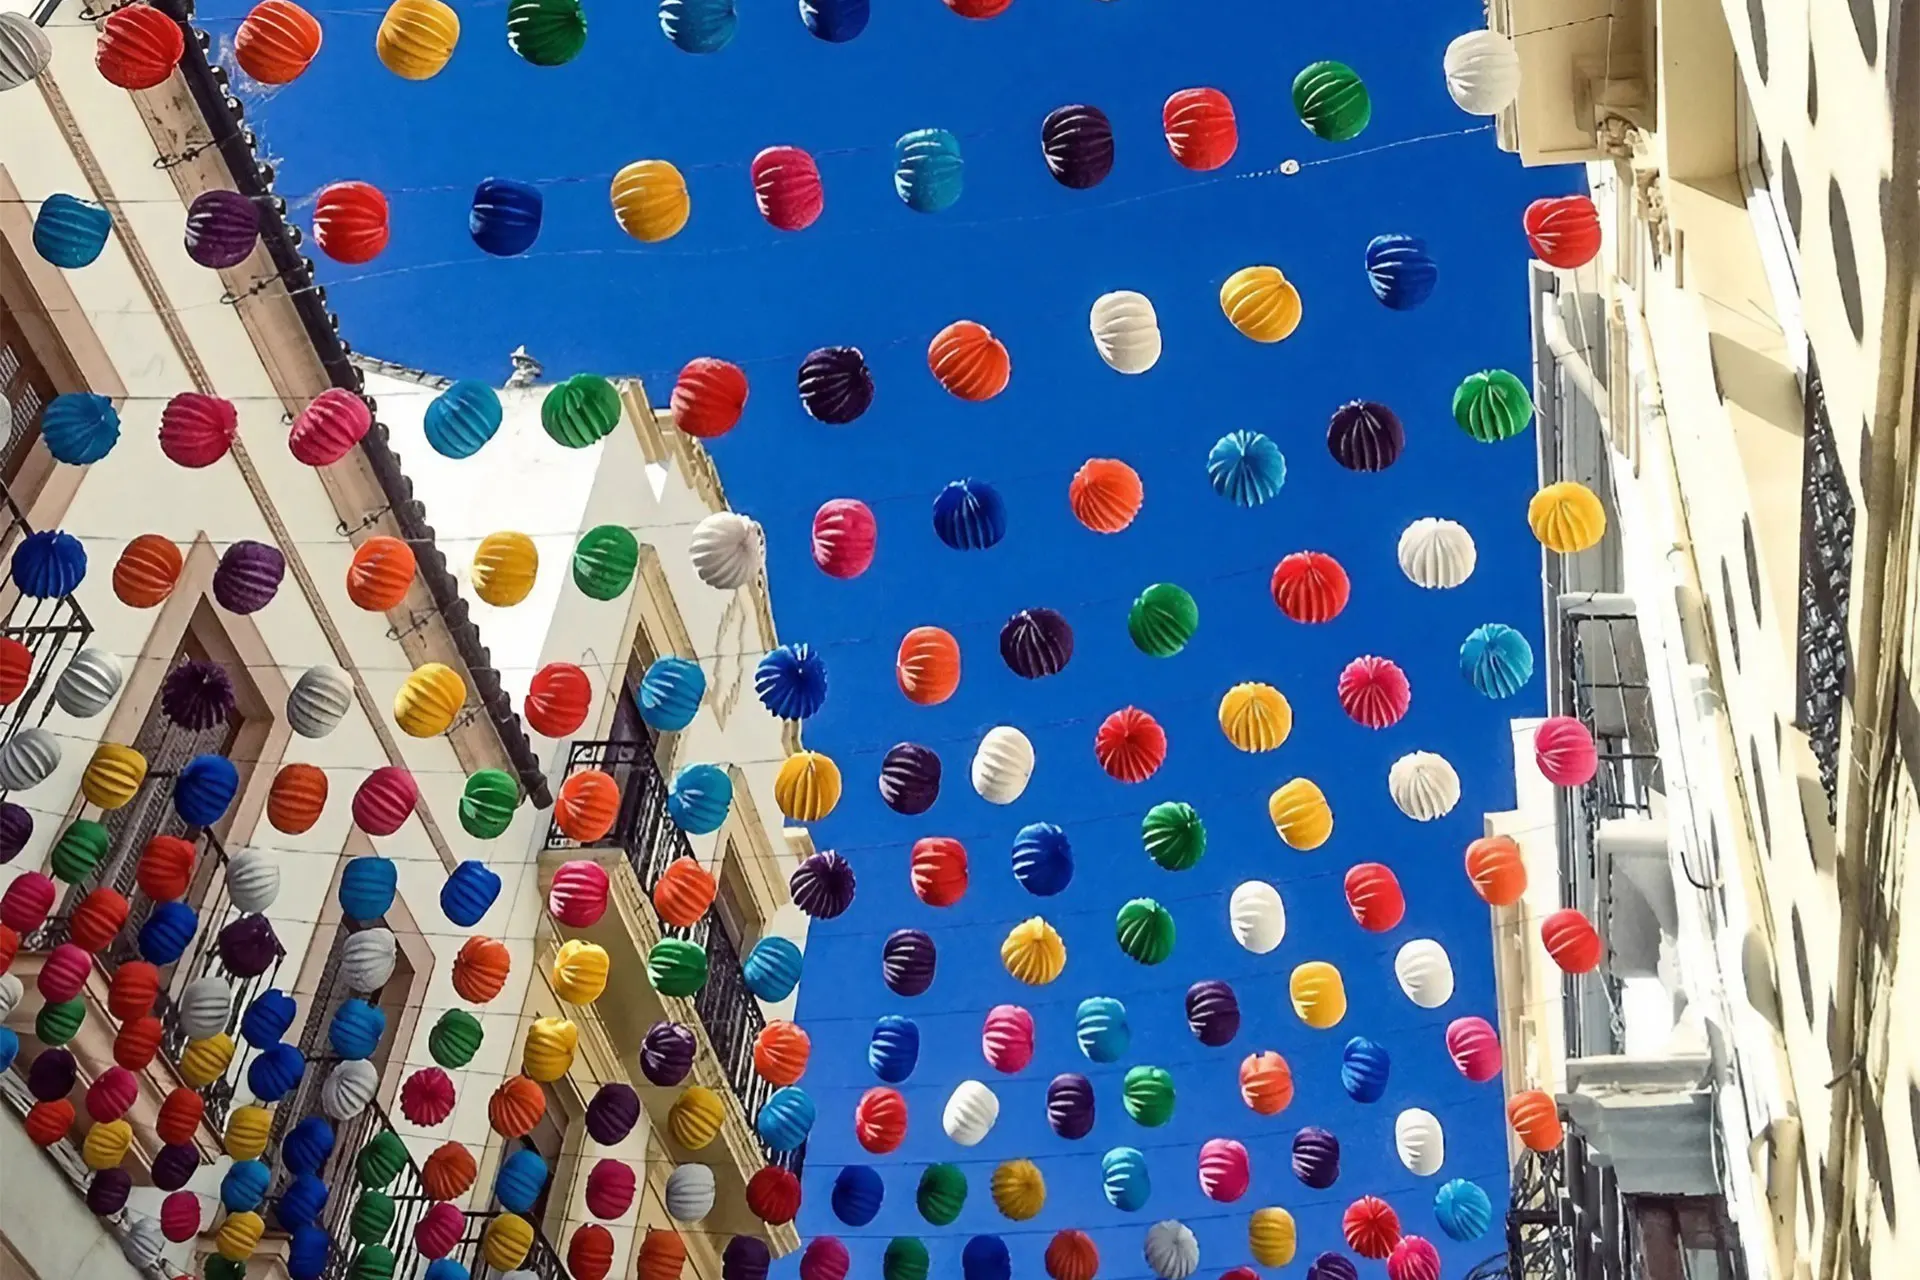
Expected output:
(970, 1113)
(1257, 916)
(25, 52)
(1425, 973)
(1483, 72)
(1126, 331)
(349, 1087)
(88, 684)
(1419, 1140)
(27, 758)
(10, 992)
(1002, 765)
(205, 1005)
(367, 959)
(690, 1192)
(318, 701)
(1172, 1251)
(1437, 554)
(141, 1239)
(1423, 785)
(253, 881)
(727, 550)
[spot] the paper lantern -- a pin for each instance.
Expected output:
(1072, 1255)
(785, 1119)
(928, 172)
(245, 1185)
(248, 576)
(1424, 786)
(1246, 468)
(1535, 1117)
(133, 989)
(580, 411)
(1255, 717)
(1474, 1046)
(49, 1122)
(1374, 692)
(367, 887)
(1564, 750)
(448, 1172)
(438, 1230)
(1331, 101)
(429, 701)
(107, 1194)
(666, 1053)
(79, 850)
(825, 1258)
(683, 892)
(63, 975)
(969, 362)
(350, 223)
(180, 1216)
(611, 1185)
(786, 185)
(780, 1053)
(1374, 896)
(301, 1202)
(1173, 835)
(1035, 643)
(88, 684)
(1413, 1259)
(380, 574)
(791, 681)
(1572, 941)
(416, 38)
(880, 1120)
(1567, 517)
(1105, 495)
(521, 1177)
(79, 428)
(772, 968)
(670, 693)
(1266, 1083)
(1172, 1251)
(480, 969)
(461, 419)
(689, 1192)
(1370, 1227)
(1077, 142)
(677, 967)
(1213, 1013)
(1563, 232)
(590, 1252)
(1271, 1237)
(1042, 859)
(16, 669)
(857, 1193)
(1482, 70)
(1200, 128)
(1363, 436)
(506, 1240)
(1310, 587)
(822, 885)
(894, 1049)
(318, 701)
(247, 945)
(1126, 331)
(504, 567)
(49, 564)
(222, 229)
(1147, 1095)
(708, 397)
(1496, 660)
(835, 21)
(504, 219)
(296, 799)
(1316, 1157)
(907, 961)
(844, 533)
(586, 806)
(979, 9)
(180, 1115)
(25, 50)
(650, 200)
(1225, 1171)
(970, 1113)
(1425, 973)
(699, 798)
(1130, 745)
(835, 385)
(662, 1255)
(205, 1061)
(807, 786)
(1070, 1106)
(204, 788)
(204, 1007)
(1033, 952)
(1301, 815)
(70, 233)
(1145, 931)
(1100, 1028)
(1436, 554)
(727, 550)
(25, 901)
(276, 42)
(1400, 271)
(1019, 1191)
(174, 1164)
(1261, 303)
(548, 1053)
(1497, 869)
(1492, 405)
(385, 800)
(275, 1072)
(1318, 993)
(745, 1258)
(367, 959)
(939, 871)
(613, 1112)
(1421, 1143)
(16, 828)
(516, 1107)
(928, 666)
(1463, 1210)
(969, 515)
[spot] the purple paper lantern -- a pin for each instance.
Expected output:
(1077, 141)
(1333, 1266)
(248, 576)
(907, 962)
(52, 1076)
(1316, 1158)
(175, 1163)
(1365, 436)
(16, 828)
(1036, 643)
(745, 1258)
(248, 946)
(910, 778)
(1213, 1013)
(107, 1193)
(222, 228)
(666, 1054)
(822, 886)
(835, 384)
(197, 695)
(614, 1111)
(1070, 1105)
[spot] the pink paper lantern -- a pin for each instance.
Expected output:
(1474, 1047)
(1224, 1171)
(578, 897)
(329, 427)
(786, 186)
(1413, 1259)
(610, 1187)
(427, 1097)
(385, 800)
(439, 1230)
(197, 430)
(180, 1216)
(1564, 750)
(64, 975)
(24, 903)
(112, 1094)
(1374, 692)
(825, 1259)
(1007, 1038)
(844, 535)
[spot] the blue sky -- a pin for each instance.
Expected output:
(1027, 258)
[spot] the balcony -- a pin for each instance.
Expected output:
(1825, 657)
(52, 628)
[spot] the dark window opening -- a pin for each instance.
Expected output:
(1803, 969)
(1726, 603)
(26, 388)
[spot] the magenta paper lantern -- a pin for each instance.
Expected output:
(1474, 1046)
(180, 1216)
(1413, 1259)
(64, 974)
(439, 1230)
(578, 896)
(385, 800)
(1564, 750)
(1224, 1170)
(1007, 1038)
(610, 1188)
(329, 427)
(197, 430)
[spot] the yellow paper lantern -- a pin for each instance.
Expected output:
(106, 1144)
(427, 703)
(1271, 1237)
(807, 786)
(504, 566)
(1567, 517)
(113, 776)
(1301, 815)
(695, 1118)
(549, 1051)
(1261, 303)
(416, 38)
(1019, 1192)
(205, 1061)
(238, 1236)
(1255, 717)
(247, 1131)
(1034, 953)
(1319, 994)
(580, 972)
(650, 200)
(505, 1242)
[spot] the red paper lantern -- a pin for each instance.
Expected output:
(979, 8)
(297, 798)
(328, 428)
(844, 535)
(165, 868)
(1072, 1255)
(1572, 941)
(939, 870)
(590, 1252)
(1374, 897)
(448, 1172)
(1374, 692)
(1310, 586)
(516, 1107)
(197, 430)
(773, 1195)
(1414, 1259)
(588, 803)
(708, 397)
(350, 222)
(138, 1042)
(112, 1094)
(384, 800)
(610, 1188)
(180, 1216)
(381, 572)
(880, 1120)
(558, 699)
(481, 967)
(16, 668)
(578, 895)
(969, 361)
(24, 903)
(48, 1122)
(1371, 1227)
(427, 1097)
(9, 947)
(1474, 1046)
(1563, 231)
(1130, 745)
(786, 186)
(1200, 128)
(97, 919)
(1564, 750)
(276, 42)
(135, 986)
(179, 1117)
(139, 47)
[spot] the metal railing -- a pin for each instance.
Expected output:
(52, 628)
(1824, 658)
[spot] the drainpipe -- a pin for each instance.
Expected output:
(1572, 361)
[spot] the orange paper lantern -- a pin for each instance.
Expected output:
(780, 1053)
(928, 667)
(1105, 495)
(480, 969)
(516, 1106)
(97, 920)
(684, 892)
(48, 1122)
(1266, 1083)
(297, 798)
(448, 1172)
(381, 571)
(144, 574)
(969, 361)
(276, 42)
(663, 1255)
(16, 668)
(1072, 1255)
(588, 803)
(1535, 1116)
(558, 699)
(1497, 869)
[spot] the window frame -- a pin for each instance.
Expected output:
(1773, 229)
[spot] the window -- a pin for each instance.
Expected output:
(1752, 554)
(26, 388)
(1803, 969)
(1773, 208)
(548, 1140)
(1760, 797)
(1726, 607)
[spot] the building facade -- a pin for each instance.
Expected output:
(263, 669)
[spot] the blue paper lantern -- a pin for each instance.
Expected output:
(203, 789)
(79, 427)
(447, 1269)
(267, 1018)
(1246, 468)
(356, 1029)
(168, 930)
(986, 1258)
(245, 1185)
(307, 1251)
(307, 1145)
(367, 887)
(669, 694)
(49, 564)
(275, 1071)
(1364, 1065)
(1401, 271)
(698, 26)
(9, 1047)
(835, 21)
(1042, 859)
(785, 1119)
(70, 232)
(1123, 1176)
(1496, 660)
(1100, 1026)
(792, 681)
(522, 1176)
(857, 1193)
(699, 798)
(469, 893)
(969, 515)
(928, 173)
(301, 1202)
(772, 968)
(894, 1049)
(1463, 1209)
(504, 221)
(463, 418)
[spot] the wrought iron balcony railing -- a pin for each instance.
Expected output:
(1825, 657)
(52, 628)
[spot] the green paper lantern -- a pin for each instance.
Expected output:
(604, 561)
(1174, 835)
(454, 1039)
(1332, 101)
(1147, 1094)
(905, 1259)
(677, 967)
(372, 1217)
(219, 1268)
(375, 1262)
(1145, 930)
(547, 33)
(79, 850)
(488, 802)
(581, 411)
(1492, 405)
(381, 1160)
(56, 1024)
(942, 1193)
(1162, 620)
